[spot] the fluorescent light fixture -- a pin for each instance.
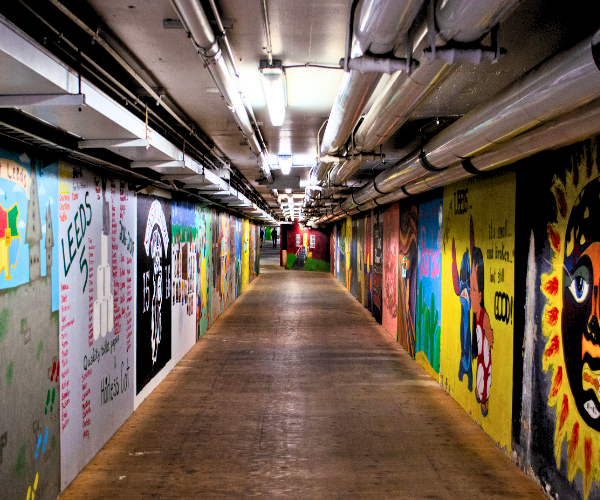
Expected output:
(285, 163)
(288, 191)
(273, 82)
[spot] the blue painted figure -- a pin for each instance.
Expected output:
(462, 288)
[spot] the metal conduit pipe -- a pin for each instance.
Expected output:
(378, 28)
(194, 19)
(403, 94)
(579, 125)
(558, 85)
(561, 84)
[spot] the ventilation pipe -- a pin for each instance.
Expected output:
(579, 125)
(197, 25)
(462, 21)
(557, 86)
(379, 27)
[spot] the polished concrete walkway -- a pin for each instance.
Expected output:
(296, 392)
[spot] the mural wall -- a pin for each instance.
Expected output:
(81, 255)
(307, 249)
(377, 273)
(153, 333)
(429, 288)
(391, 224)
(30, 371)
(478, 253)
(407, 276)
(96, 268)
(560, 435)
(185, 244)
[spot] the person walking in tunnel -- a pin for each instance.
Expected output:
(274, 237)
(262, 236)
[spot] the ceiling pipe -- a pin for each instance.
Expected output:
(458, 20)
(379, 26)
(197, 25)
(557, 86)
(579, 125)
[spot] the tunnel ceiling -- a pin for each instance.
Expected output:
(305, 32)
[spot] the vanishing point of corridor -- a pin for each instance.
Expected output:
(296, 392)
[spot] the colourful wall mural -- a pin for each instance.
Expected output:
(67, 372)
(429, 289)
(368, 263)
(359, 231)
(313, 252)
(185, 244)
(478, 252)
(97, 242)
(30, 371)
(153, 332)
(407, 276)
(560, 433)
(377, 273)
(391, 224)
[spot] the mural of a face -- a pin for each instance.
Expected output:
(157, 253)
(580, 328)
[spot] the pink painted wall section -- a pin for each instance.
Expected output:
(391, 224)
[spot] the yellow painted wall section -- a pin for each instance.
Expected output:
(348, 250)
(479, 222)
(245, 254)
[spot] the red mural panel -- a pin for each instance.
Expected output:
(391, 225)
(320, 250)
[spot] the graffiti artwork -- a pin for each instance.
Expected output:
(30, 413)
(391, 224)
(478, 259)
(377, 273)
(429, 295)
(97, 231)
(407, 276)
(153, 337)
(184, 277)
(570, 320)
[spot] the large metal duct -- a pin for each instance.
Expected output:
(378, 27)
(557, 86)
(458, 20)
(194, 19)
(579, 125)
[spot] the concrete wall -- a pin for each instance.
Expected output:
(102, 292)
(496, 298)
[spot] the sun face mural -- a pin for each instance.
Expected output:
(570, 320)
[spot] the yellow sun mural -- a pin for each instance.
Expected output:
(570, 320)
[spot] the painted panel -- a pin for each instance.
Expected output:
(407, 276)
(478, 261)
(185, 243)
(245, 254)
(153, 332)
(360, 260)
(97, 269)
(332, 249)
(353, 243)
(348, 251)
(377, 277)
(561, 401)
(391, 223)
(429, 294)
(239, 243)
(368, 269)
(341, 245)
(203, 219)
(29, 327)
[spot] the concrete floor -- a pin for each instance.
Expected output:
(296, 392)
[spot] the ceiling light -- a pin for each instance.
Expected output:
(288, 191)
(273, 82)
(285, 163)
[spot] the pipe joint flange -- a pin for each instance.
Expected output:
(468, 166)
(376, 188)
(403, 189)
(425, 162)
